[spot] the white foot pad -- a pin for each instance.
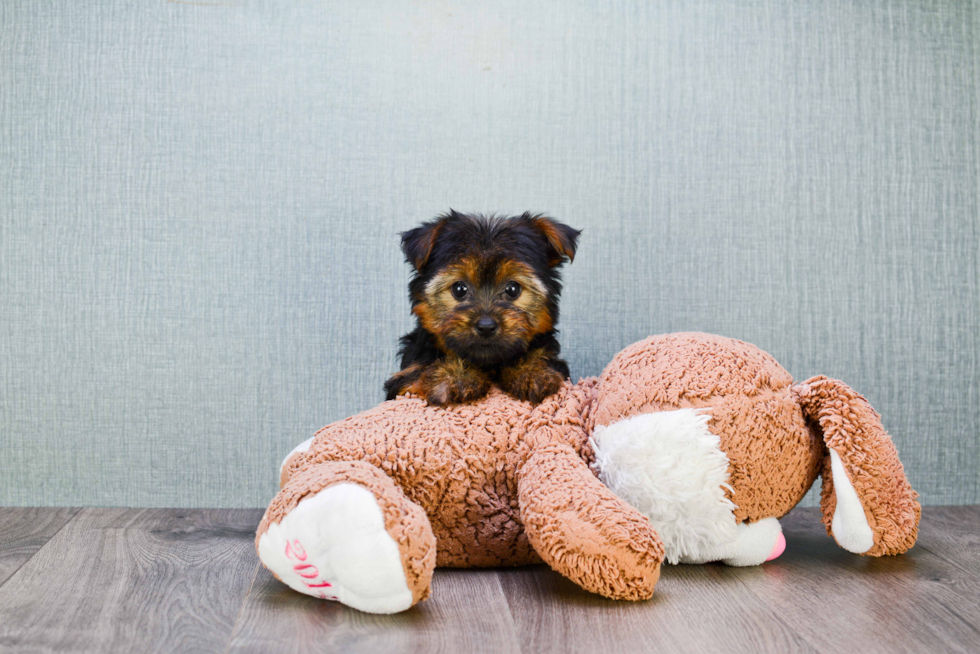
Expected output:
(334, 546)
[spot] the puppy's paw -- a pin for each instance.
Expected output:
(532, 379)
(534, 388)
(453, 381)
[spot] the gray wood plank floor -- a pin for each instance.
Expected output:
(122, 580)
(24, 531)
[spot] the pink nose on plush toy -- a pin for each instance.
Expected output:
(778, 548)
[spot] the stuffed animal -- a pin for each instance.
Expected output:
(689, 447)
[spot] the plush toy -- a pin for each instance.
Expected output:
(688, 448)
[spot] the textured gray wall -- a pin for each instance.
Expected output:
(199, 205)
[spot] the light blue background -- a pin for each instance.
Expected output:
(199, 205)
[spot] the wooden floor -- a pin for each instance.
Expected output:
(102, 580)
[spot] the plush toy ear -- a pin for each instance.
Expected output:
(417, 243)
(868, 505)
(562, 239)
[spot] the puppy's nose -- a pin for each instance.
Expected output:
(486, 326)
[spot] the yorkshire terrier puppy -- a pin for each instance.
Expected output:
(485, 297)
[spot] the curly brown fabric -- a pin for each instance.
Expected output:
(854, 430)
(405, 521)
(774, 457)
(503, 482)
(459, 463)
(582, 530)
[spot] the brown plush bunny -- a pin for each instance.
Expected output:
(688, 447)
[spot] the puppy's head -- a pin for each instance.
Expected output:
(484, 287)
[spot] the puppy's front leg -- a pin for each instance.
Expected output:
(453, 381)
(404, 381)
(534, 376)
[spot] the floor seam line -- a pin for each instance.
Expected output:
(510, 613)
(50, 538)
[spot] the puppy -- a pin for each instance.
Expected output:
(485, 296)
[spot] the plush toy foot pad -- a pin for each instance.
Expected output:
(757, 543)
(778, 548)
(334, 546)
(754, 544)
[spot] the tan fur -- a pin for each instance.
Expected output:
(425, 247)
(531, 378)
(563, 248)
(531, 318)
(504, 482)
(452, 381)
(525, 320)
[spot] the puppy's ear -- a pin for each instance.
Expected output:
(562, 239)
(417, 243)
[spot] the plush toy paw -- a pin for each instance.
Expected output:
(754, 544)
(778, 548)
(757, 543)
(334, 546)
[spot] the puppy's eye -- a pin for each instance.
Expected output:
(459, 290)
(513, 290)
